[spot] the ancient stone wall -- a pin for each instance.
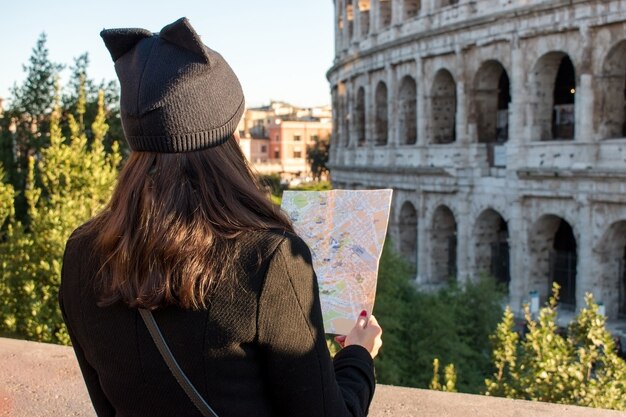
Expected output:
(505, 138)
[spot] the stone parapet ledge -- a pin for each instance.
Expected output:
(42, 380)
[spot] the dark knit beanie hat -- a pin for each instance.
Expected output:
(177, 95)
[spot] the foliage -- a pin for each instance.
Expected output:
(69, 183)
(580, 368)
(273, 183)
(449, 375)
(317, 157)
(453, 325)
(313, 186)
(25, 125)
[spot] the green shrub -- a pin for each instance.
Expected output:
(69, 184)
(580, 368)
(452, 325)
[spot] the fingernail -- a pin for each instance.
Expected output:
(363, 313)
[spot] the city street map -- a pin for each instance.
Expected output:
(345, 230)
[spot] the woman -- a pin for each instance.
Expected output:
(189, 236)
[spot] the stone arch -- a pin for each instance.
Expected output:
(364, 16)
(553, 258)
(411, 8)
(492, 96)
(612, 88)
(443, 108)
(407, 100)
(360, 116)
(385, 13)
(553, 83)
(491, 234)
(407, 236)
(382, 114)
(610, 255)
(443, 246)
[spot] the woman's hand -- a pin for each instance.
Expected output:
(366, 332)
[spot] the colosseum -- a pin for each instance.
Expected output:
(501, 127)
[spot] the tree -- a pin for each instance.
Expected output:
(75, 180)
(580, 368)
(317, 157)
(25, 124)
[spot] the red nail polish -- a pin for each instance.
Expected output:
(363, 313)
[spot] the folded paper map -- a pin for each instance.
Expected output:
(345, 230)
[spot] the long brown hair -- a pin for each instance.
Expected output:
(172, 230)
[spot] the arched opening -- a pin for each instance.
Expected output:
(364, 16)
(385, 13)
(360, 116)
(443, 107)
(563, 114)
(408, 113)
(554, 259)
(443, 246)
(492, 95)
(492, 246)
(411, 8)
(554, 87)
(612, 97)
(610, 255)
(408, 233)
(350, 19)
(382, 115)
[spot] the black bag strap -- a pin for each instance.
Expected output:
(169, 359)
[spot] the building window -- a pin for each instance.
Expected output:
(263, 148)
(297, 154)
(276, 154)
(297, 138)
(277, 138)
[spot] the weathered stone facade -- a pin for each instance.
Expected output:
(501, 126)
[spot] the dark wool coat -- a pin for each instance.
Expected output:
(257, 350)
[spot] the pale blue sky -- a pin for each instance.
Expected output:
(280, 49)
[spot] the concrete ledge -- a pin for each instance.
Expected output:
(44, 380)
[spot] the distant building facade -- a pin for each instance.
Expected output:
(275, 138)
(501, 126)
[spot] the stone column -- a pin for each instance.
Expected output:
(374, 13)
(337, 30)
(583, 130)
(392, 107)
(518, 133)
(585, 280)
(429, 6)
(518, 258)
(423, 248)
(351, 136)
(461, 101)
(584, 109)
(345, 35)
(397, 12)
(464, 240)
(356, 16)
(423, 93)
